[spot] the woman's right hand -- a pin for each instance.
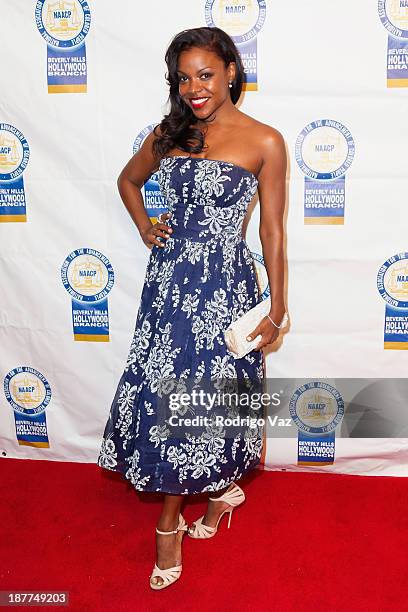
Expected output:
(150, 235)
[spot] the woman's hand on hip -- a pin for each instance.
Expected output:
(150, 235)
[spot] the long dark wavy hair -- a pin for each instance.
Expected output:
(176, 129)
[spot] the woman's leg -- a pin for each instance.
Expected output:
(169, 546)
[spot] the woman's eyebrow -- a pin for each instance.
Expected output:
(200, 70)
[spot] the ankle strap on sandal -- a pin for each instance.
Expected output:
(166, 532)
(182, 526)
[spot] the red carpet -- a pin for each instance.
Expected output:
(299, 542)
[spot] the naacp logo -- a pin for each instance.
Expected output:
(87, 275)
(324, 149)
(242, 19)
(392, 280)
(63, 23)
(27, 390)
(316, 408)
(14, 152)
(394, 17)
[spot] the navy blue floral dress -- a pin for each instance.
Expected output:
(201, 280)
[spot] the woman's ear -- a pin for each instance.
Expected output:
(232, 71)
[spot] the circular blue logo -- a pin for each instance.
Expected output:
(324, 150)
(241, 20)
(392, 280)
(394, 17)
(14, 152)
(316, 407)
(27, 390)
(63, 24)
(87, 275)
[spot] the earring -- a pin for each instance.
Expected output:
(230, 84)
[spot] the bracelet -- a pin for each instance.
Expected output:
(283, 322)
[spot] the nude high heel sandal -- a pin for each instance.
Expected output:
(171, 574)
(234, 497)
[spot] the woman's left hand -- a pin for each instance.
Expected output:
(268, 331)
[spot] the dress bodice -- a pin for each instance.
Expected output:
(208, 198)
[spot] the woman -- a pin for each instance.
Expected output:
(211, 159)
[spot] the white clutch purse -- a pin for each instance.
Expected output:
(236, 333)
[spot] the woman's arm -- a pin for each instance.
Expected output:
(130, 182)
(272, 196)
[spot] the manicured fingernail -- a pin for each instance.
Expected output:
(249, 338)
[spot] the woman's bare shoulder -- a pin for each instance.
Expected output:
(262, 133)
(151, 137)
(147, 150)
(266, 140)
(143, 163)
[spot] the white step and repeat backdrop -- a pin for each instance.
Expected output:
(82, 84)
